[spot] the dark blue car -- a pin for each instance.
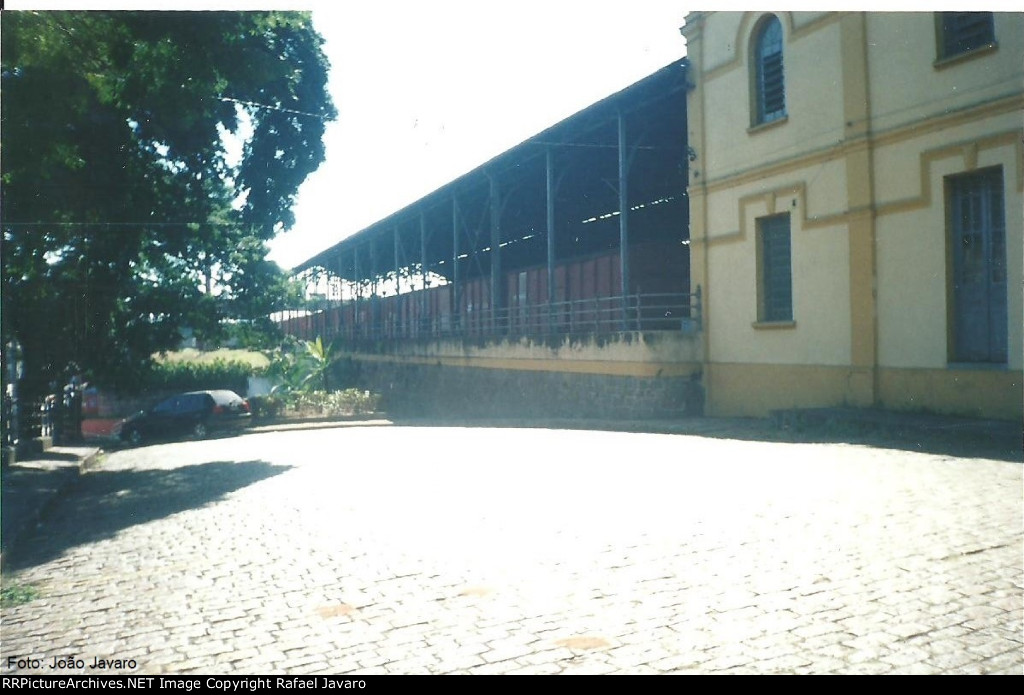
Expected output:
(193, 414)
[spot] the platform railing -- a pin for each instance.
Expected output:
(674, 312)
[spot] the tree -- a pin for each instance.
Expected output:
(256, 289)
(124, 218)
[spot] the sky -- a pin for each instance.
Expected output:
(428, 90)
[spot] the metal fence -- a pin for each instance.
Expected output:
(639, 312)
(10, 430)
(26, 421)
(49, 412)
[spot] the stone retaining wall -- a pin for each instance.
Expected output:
(441, 390)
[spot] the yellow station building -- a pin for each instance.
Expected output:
(856, 209)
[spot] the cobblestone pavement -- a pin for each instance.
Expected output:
(449, 550)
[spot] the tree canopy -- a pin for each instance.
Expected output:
(125, 215)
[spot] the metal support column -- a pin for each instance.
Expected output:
(423, 269)
(495, 197)
(310, 291)
(373, 268)
(338, 327)
(456, 285)
(550, 203)
(356, 323)
(397, 266)
(374, 290)
(623, 219)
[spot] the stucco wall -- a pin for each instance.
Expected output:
(979, 392)
(920, 90)
(636, 354)
(913, 238)
(739, 389)
(821, 334)
(622, 375)
(812, 122)
(874, 126)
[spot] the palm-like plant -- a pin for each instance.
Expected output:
(323, 358)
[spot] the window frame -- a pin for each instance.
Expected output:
(760, 115)
(947, 49)
(773, 279)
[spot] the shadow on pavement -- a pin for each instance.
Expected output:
(999, 440)
(18, 506)
(949, 443)
(102, 503)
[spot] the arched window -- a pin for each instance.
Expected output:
(769, 82)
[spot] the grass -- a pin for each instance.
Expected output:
(17, 594)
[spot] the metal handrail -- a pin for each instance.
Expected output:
(676, 312)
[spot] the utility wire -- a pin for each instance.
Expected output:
(117, 224)
(270, 107)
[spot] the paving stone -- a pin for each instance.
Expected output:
(265, 554)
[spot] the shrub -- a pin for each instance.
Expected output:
(334, 403)
(266, 406)
(195, 376)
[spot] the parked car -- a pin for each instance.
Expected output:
(196, 414)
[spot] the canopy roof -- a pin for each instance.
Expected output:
(581, 155)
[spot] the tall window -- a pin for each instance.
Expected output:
(775, 269)
(769, 82)
(963, 32)
(978, 284)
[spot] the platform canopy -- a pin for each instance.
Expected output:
(558, 195)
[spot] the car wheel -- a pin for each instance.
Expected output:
(199, 430)
(135, 437)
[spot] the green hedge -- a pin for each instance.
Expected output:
(195, 376)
